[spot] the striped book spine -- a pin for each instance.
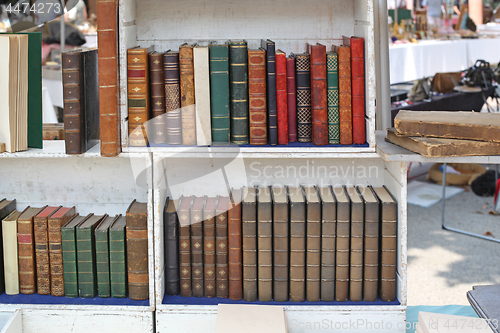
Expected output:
(138, 95)
(219, 90)
(172, 98)
(332, 82)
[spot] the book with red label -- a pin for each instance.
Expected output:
(358, 88)
(257, 96)
(281, 98)
(345, 98)
(292, 96)
(319, 115)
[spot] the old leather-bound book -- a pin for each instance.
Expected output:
(221, 244)
(202, 95)
(345, 97)
(357, 250)
(358, 88)
(281, 239)
(102, 255)
(291, 98)
(6, 207)
(107, 20)
(281, 98)
(173, 121)
(371, 245)
(72, 95)
(42, 249)
(157, 131)
(238, 87)
(234, 245)
(319, 105)
(328, 240)
(303, 81)
(272, 120)
(209, 247)
(297, 244)
(197, 246)
(257, 96)
(249, 233)
(188, 111)
(265, 243)
(55, 222)
(68, 237)
(219, 92)
(388, 244)
(313, 241)
(137, 250)
(10, 253)
(138, 95)
(26, 250)
(343, 244)
(171, 250)
(118, 258)
(332, 81)
(185, 246)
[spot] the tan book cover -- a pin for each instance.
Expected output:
(356, 256)
(313, 247)
(265, 244)
(202, 95)
(249, 236)
(328, 243)
(10, 254)
(297, 206)
(250, 319)
(281, 246)
(343, 244)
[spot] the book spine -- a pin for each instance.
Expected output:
(272, 119)
(202, 95)
(102, 263)
(209, 253)
(90, 97)
(221, 254)
(281, 98)
(185, 252)
(188, 112)
(85, 254)
(42, 255)
(332, 81)
(319, 113)
(156, 76)
(234, 252)
(358, 90)
(4, 212)
(238, 83)
(297, 251)
(109, 120)
(11, 273)
(388, 248)
(69, 262)
(138, 96)
(197, 252)
(117, 263)
(219, 90)
(257, 96)
(343, 248)
(73, 122)
(303, 80)
(26, 252)
(137, 255)
(345, 102)
(328, 240)
(292, 97)
(357, 238)
(281, 267)
(371, 252)
(265, 251)
(249, 246)
(172, 253)
(173, 120)
(313, 252)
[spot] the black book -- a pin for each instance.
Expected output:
(272, 122)
(90, 100)
(6, 207)
(171, 249)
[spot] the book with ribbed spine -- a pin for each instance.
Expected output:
(281, 98)
(68, 236)
(297, 208)
(313, 244)
(358, 88)
(272, 117)
(173, 120)
(257, 96)
(171, 249)
(202, 95)
(219, 92)
(72, 96)
(102, 255)
(209, 247)
(10, 253)
(281, 239)
(292, 98)
(118, 258)
(197, 246)
(319, 105)
(332, 82)
(357, 249)
(371, 246)
(249, 245)
(158, 134)
(234, 245)
(185, 246)
(6, 208)
(221, 245)
(328, 240)
(188, 112)
(238, 87)
(345, 96)
(343, 244)
(303, 81)
(265, 243)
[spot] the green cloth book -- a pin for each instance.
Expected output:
(332, 82)
(102, 256)
(238, 84)
(85, 254)
(117, 258)
(219, 92)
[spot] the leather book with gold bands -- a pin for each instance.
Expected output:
(297, 208)
(221, 245)
(319, 105)
(157, 131)
(173, 121)
(313, 245)
(357, 239)
(328, 242)
(209, 247)
(186, 68)
(197, 246)
(265, 244)
(249, 246)
(281, 239)
(238, 87)
(343, 244)
(185, 245)
(234, 245)
(137, 250)
(257, 96)
(303, 81)
(371, 251)
(345, 96)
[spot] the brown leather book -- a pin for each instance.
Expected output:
(328, 240)
(265, 243)
(371, 253)
(73, 117)
(257, 96)
(281, 238)
(137, 250)
(42, 249)
(345, 98)
(234, 245)
(343, 244)
(197, 246)
(55, 222)
(209, 247)
(158, 133)
(297, 244)
(26, 250)
(313, 241)
(185, 246)
(388, 243)
(107, 41)
(357, 239)
(172, 98)
(138, 95)
(249, 233)
(187, 95)
(221, 243)
(319, 106)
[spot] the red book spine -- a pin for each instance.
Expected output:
(291, 93)
(345, 95)
(281, 98)
(257, 96)
(358, 90)
(319, 95)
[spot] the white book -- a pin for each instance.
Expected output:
(442, 323)
(202, 95)
(10, 255)
(250, 319)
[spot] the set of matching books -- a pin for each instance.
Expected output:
(226, 93)
(283, 244)
(55, 251)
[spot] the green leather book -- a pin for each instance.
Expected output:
(86, 263)
(332, 82)
(102, 256)
(238, 83)
(117, 258)
(219, 92)
(35, 139)
(68, 236)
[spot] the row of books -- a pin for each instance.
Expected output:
(55, 251)
(283, 244)
(221, 93)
